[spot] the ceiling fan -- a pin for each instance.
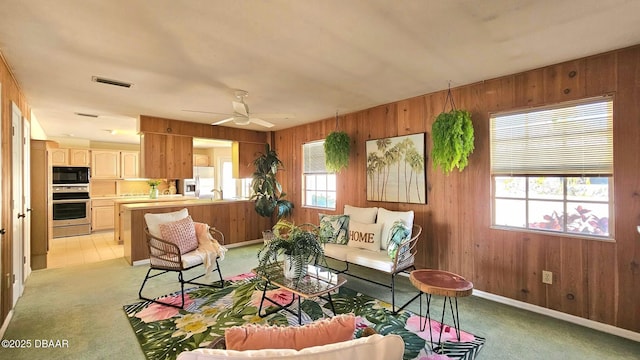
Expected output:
(241, 115)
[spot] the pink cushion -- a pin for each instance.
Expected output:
(321, 332)
(182, 233)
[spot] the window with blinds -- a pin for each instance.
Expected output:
(552, 167)
(318, 185)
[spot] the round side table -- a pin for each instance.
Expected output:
(441, 283)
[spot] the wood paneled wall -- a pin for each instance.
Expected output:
(10, 93)
(593, 279)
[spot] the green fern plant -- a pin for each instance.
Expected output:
(300, 242)
(452, 134)
(336, 151)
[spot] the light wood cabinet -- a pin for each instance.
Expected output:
(200, 160)
(105, 164)
(130, 164)
(79, 157)
(102, 214)
(59, 156)
(242, 156)
(41, 208)
(73, 157)
(166, 156)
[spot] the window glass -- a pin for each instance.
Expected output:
(319, 186)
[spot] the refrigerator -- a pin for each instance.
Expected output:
(204, 177)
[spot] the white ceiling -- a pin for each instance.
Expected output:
(308, 58)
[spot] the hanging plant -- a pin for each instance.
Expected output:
(452, 135)
(336, 151)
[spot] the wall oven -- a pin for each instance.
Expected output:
(71, 210)
(69, 175)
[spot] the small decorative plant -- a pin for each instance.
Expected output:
(267, 191)
(298, 242)
(154, 183)
(336, 150)
(453, 138)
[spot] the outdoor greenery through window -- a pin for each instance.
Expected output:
(552, 168)
(318, 185)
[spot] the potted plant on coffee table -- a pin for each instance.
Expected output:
(298, 243)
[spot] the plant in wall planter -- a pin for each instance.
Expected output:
(336, 150)
(452, 134)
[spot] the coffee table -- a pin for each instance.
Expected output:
(318, 283)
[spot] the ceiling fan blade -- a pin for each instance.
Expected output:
(274, 116)
(240, 108)
(205, 112)
(223, 121)
(261, 122)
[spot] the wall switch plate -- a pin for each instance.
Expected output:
(547, 277)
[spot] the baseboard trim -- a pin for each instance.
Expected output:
(628, 334)
(5, 324)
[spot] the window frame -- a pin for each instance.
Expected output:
(565, 199)
(317, 173)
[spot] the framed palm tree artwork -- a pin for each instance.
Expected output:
(396, 169)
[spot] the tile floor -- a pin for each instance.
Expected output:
(75, 250)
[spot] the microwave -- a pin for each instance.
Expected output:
(71, 174)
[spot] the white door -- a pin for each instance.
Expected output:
(2, 229)
(26, 155)
(16, 202)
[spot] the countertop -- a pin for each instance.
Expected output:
(143, 198)
(189, 202)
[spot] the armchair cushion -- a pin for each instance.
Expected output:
(182, 233)
(399, 236)
(364, 236)
(363, 215)
(321, 332)
(154, 220)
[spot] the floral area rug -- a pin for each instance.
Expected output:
(164, 332)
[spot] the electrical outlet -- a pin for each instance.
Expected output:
(547, 277)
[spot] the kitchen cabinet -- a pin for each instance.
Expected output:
(166, 156)
(242, 156)
(73, 157)
(102, 214)
(41, 207)
(105, 164)
(200, 160)
(130, 161)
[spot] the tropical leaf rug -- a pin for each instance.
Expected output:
(164, 332)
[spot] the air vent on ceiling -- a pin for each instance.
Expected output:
(86, 114)
(110, 81)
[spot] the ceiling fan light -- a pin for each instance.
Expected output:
(241, 120)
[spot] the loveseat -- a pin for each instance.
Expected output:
(372, 237)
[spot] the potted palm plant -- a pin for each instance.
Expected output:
(298, 243)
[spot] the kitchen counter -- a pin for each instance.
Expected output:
(119, 201)
(237, 219)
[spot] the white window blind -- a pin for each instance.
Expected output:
(314, 158)
(571, 139)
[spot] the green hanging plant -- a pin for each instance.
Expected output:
(336, 151)
(452, 135)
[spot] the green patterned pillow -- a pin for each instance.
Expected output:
(398, 242)
(334, 229)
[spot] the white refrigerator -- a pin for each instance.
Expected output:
(204, 177)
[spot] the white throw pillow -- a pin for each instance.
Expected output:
(364, 236)
(363, 215)
(386, 218)
(154, 220)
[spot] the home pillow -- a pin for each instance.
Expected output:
(364, 236)
(399, 237)
(322, 332)
(334, 229)
(182, 233)
(154, 220)
(386, 218)
(363, 215)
